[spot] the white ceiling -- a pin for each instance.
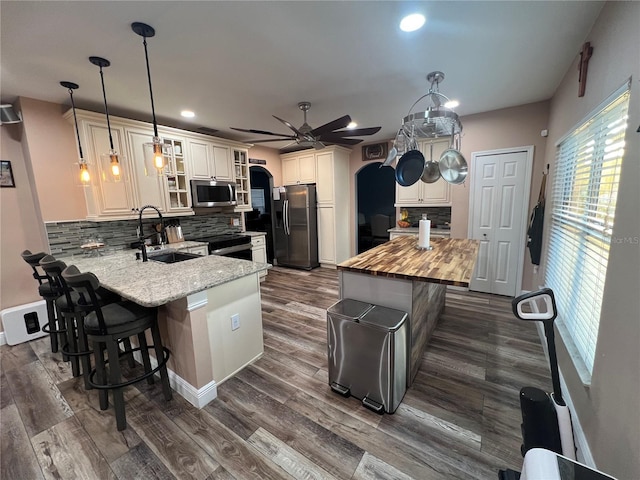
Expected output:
(237, 63)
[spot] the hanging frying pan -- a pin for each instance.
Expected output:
(453, 166)
(431, 173)
(409, 168)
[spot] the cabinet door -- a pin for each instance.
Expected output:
(150, 190)
(307, 168)
(109, 199)
(221, 163)
(437, 193)
(290, 171)
(199, 159)
(326, 235)
(325, 180)
(409, 196)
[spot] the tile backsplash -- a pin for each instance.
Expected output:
(437, 215)
(65, 238)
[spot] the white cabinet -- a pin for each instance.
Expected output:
(259, 251)
(193, 156)
(326, 235)
(150, 188)
(393, 235)
(208, 160)
(177, 186)
(243, 181)
(201, 250)
(332, 188)
(298, 168)
(422, 194)
(104, 198)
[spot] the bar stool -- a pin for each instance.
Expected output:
(105, 326)
(47, 290)
(76, 347)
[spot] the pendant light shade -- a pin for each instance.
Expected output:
(81, 172)
(156, 153)
(111, 168)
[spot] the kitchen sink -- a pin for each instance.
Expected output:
(173, 257)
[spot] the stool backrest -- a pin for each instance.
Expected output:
(53, 268)
(33, 259)
(86, 283)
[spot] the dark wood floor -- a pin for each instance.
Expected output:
(278, 418)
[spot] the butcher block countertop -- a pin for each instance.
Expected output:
(451, 261)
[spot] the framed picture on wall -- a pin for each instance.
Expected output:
(376, 151)
(6, 174)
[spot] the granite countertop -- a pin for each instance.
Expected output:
(154, 283)
(185, 244)
(254, 234)
(451, 261)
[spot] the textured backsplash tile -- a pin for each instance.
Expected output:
(437, 215)
(65, 238)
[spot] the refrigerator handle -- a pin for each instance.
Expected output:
(285, 216)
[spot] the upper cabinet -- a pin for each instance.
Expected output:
(421, 194)
(192, 155)
(209, 161)
(243, 180)
(298, 167)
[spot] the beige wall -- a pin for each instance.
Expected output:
(509, 127)
(272, 156)
(21, 224)
(52, 151)
(608, 410)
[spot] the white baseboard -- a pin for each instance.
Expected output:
(3, 340)
(198, 397)
(583, 452)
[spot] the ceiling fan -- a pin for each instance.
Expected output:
(332, 133)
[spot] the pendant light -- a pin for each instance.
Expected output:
(110, 161)
(158, 148)
(81, 169)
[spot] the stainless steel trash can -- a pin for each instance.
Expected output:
(367, 351)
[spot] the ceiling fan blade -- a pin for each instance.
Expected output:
(296, 131)
(341, 141)
(336, 124)
(286, 139)
(293, 148)
(260, 132)
(355, 132)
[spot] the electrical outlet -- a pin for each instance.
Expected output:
(235, 322)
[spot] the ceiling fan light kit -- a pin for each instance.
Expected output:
(332, 133)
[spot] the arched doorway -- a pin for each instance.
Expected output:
(259, 219)
(375, 196)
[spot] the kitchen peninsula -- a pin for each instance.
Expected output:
(196, 299)
(397, 274)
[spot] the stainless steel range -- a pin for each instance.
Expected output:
(229, 245)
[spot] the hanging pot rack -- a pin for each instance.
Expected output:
(437, 120)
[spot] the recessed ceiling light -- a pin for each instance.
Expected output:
(452, 104)
(412, 22)
(352, 125)
(187, 114)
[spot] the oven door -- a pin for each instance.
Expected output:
(242, 252)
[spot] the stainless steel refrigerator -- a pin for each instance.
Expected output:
(296, 226)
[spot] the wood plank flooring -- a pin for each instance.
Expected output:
(278, 419)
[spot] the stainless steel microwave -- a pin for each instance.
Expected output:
(213, 193)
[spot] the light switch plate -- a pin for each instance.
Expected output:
(235, 322)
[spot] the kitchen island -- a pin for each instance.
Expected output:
(397, 274)
(196, 300)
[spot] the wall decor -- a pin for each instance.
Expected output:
(375, 151)
(6, 174)
(257, 161)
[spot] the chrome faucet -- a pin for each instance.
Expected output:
(141, 236)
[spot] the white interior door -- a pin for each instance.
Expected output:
(498, 218)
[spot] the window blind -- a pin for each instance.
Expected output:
(583, 197)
